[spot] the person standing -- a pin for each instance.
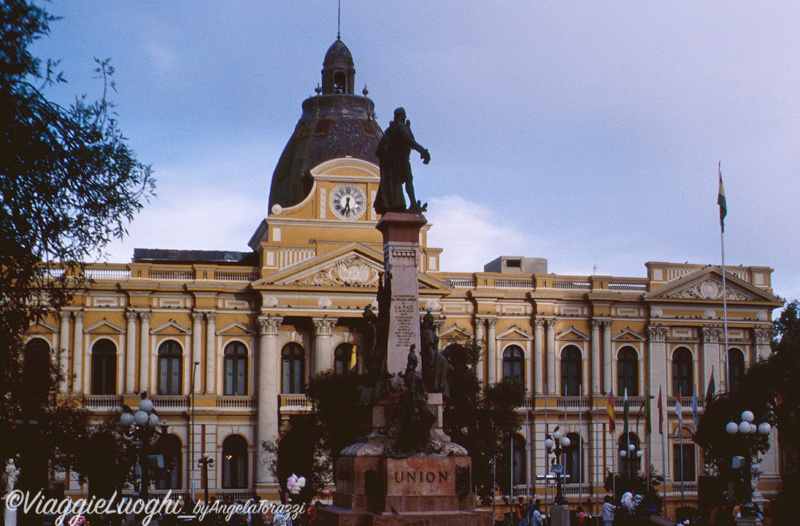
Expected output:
(608, 511)
(537, 517)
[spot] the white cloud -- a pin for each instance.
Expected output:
(471, 234)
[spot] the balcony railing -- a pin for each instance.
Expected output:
(171, 401)
(237, 402)
(102, 402)
(688, 487)
(295, 403)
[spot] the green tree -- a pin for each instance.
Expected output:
(68, 185)
(770, 390)
(482, 420)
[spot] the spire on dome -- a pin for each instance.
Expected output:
(338, 71)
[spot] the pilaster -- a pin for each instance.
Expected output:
(130, 352)
(323, 353)
(77, 353)
(268, 392)
(211, 352)
(63, 347)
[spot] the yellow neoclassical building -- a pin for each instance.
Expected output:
(224, 342)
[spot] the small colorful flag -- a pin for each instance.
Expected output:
(626, 409)
(694, 406)
(610, 410)
(648, 425)
(723, 205)
(712, 389)
(660, 412)
(679, 409)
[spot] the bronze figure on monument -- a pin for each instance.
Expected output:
(394, 152)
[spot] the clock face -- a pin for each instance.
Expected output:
(348, 202)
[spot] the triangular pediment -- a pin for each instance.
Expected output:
(42, 326)
(628, 335)
(353, 266)
(235, 329)
(572, 334)
(706, 285)
(514, 333)
(104, 327)
(455, 333)
(171, 327)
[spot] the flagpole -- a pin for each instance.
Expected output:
(680, 441)
(663, 446)
(580, 445)
(721, 201)
(647, 433)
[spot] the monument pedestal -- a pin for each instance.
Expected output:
(559, 515)
(375, 483)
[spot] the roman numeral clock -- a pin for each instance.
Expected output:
(348, 202)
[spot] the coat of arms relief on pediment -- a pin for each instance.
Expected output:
(708, 289)
(353, 271)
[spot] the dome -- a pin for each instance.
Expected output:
(335, 123)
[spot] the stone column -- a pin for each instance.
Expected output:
(480, 341)
(595, 356)
(211, 352)
(550, 326)
(608, 352)
(269, 382)
(657, 364)
(130, 352)
(197, 347)
(762, 337)
(77, 356)
(323, 353)
(538, 356)
(491, 350)
(63, 349)
(711, 355)
(144, 350)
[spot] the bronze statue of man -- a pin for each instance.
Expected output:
(394, 151)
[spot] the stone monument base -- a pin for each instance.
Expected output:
(559, 515)
(373, 487)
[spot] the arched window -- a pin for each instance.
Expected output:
(170, 357)
(628, 372)
(235, 369)
(234, 462)
(292, 368)
(104, 367)
(520, 472)
(572, 459)
(169, 448)
(514, 364)
(735, 368)
(36, 371)
(682, 372)
(342, 357)
(338, 82)
(571, 371)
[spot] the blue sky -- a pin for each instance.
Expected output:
(587, 133)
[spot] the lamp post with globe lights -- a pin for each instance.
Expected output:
(205, 461)
(556, 444)
(748, 432)
(630, 456)
(140, 427)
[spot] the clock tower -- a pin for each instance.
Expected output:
(327, 178)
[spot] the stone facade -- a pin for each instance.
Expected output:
(235, 336)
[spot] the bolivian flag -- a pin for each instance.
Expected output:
(723, 205)
(610, 411)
